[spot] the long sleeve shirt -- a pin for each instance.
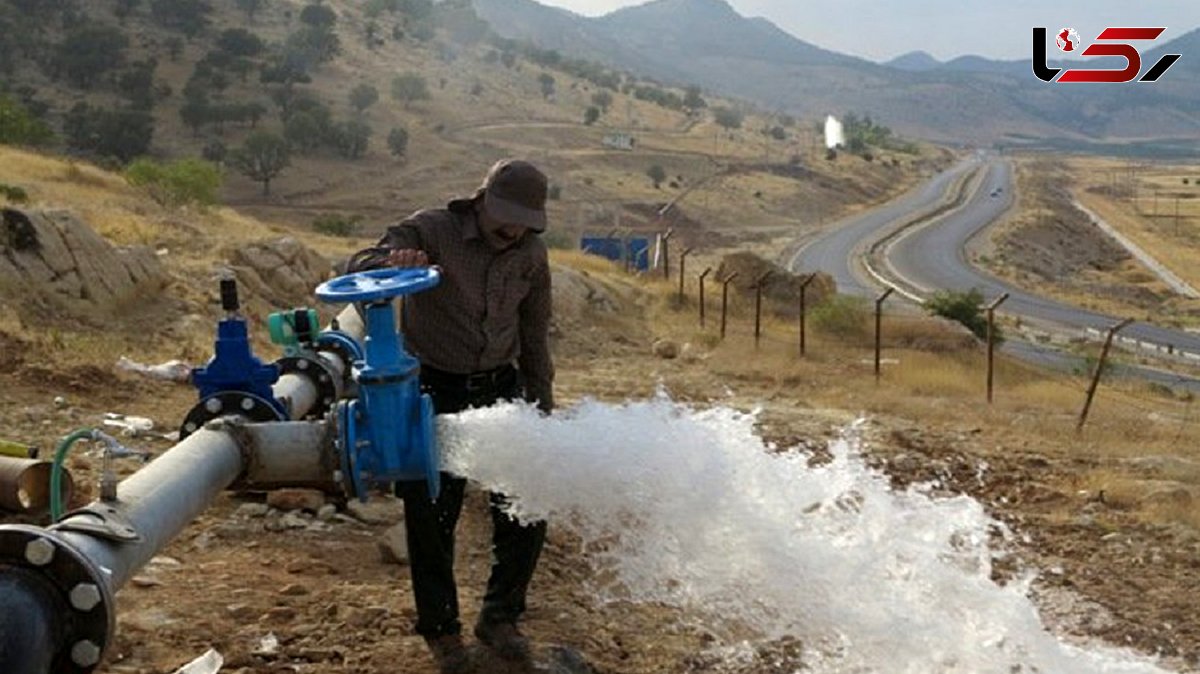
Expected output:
(491, 308)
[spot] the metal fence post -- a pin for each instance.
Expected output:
(1091, 393)
(758, 288)
(803, 309)
(725, 300)
(666, 253)
(682, 265)
(879, 330)
(991, 343)
(702, 277)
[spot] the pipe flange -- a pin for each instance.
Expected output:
(229, 404)
(321, 374)
(81, 588)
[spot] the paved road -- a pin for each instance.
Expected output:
(932, 256)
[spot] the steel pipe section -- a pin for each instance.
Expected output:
(25, 485)
(288, 454)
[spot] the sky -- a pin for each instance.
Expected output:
(1001, 29)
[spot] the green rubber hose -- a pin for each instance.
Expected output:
(60, 454)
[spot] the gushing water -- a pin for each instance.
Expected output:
(835, 134)
(693, 510)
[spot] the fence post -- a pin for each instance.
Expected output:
(666, 253)
(758, 287)
(725, 300)
(1091, 393)
(682, 263)
(702, 277)
(803, 309)
(991, 343)
(879, 330)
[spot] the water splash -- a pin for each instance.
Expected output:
(693, 510)
(835, 134)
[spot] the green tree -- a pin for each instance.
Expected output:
(728, 118)
(186, 181)
(262, 158)
(692, 100)
(409, 88)
(89, 51)
(602, 100)
(120, 134)
(302, 132)
(397, 141)
(186, 16)
(319, 16)
(352, 138)
(657, 174)
(240, 42)
(18, 127)
(363, 96)
(251, 7)
(963, 307)
(547, 82)
(591, 115)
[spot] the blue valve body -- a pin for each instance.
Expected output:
(388, 433)
(236, 368)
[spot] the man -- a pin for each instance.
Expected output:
(491, 309)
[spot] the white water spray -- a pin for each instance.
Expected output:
(835, 134)
(696, 512)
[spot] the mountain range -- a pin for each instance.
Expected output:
(968, 99)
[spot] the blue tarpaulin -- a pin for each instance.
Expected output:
(636, 250)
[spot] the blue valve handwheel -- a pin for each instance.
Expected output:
(378, 284)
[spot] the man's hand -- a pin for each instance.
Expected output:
(408, 258)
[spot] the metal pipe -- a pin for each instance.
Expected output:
(30, 623)
(25, 485)
(292, 454)
(157, 503)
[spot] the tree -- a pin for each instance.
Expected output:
(186, 181)
(692, 99)
(240, 42)
(602, 100)
(352, 138)
(121, 134)
(657, 174)
(409, 88)
(547, 82)
(18, 127)
(318, 16)
(397, 141)
(186, 16)
(302, 132)
(262, 158)
(251, 7)
(965, 308)
(728, 118)
(777, 133)
(591, 115)
(363, 96)
(89, 51)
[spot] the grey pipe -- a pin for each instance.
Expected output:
(292, 454)
(158, 501)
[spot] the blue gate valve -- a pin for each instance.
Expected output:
(387, 434)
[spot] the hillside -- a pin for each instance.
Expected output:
(968, 99)
(477, 98)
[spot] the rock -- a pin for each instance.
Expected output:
(292, 520)
(379, 510)
(1170, 495)
(60, 402)
(667, 349)
(393, 546)
(326, 512)
(278, 615)
(367, 617)
(145, 581)
(296, 499)
(252, 510)
(294, 590)
(241, 612)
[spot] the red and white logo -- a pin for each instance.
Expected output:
(1068, 40)
(1112, 42)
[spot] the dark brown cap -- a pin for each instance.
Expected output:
(515, 194)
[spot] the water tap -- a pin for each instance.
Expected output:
(113, 449)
